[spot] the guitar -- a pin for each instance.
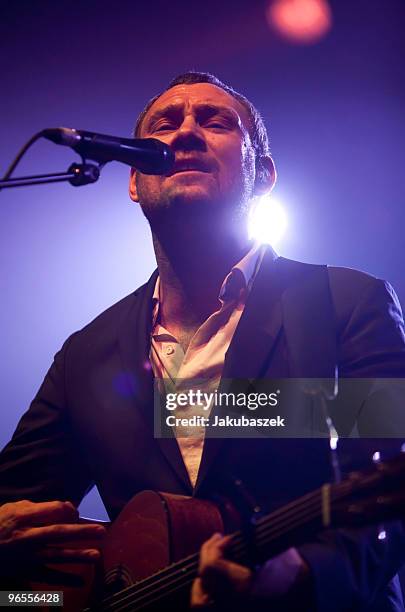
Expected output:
(150, 554)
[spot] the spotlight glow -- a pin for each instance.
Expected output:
(300, 21)
(268, 221)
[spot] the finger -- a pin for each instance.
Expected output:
(65, 555)
(30, 513)
(213, 549)
(199, 597)
(220, 544)
(217, 542)
(57, 533)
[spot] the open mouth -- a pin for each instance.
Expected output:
(190, 166)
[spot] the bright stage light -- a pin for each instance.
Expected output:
(268, 221)
(300, 21)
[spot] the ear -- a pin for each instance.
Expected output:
(133, 191)
(266, 175)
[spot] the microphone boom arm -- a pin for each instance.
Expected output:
(77, 175)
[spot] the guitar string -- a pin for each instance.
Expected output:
(135, 593)
(272, 517)
(174, 568)
(181, 567)
(268, 529)
(278, 516)
(148, 598)
(174, 585)
(178, 565)
(170, 584)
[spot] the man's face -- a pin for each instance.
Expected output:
(214, 160)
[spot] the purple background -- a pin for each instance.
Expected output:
(336, 120)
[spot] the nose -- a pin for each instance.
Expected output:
(189, 136)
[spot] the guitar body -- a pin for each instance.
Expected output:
(152, 531)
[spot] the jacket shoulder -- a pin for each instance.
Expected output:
(105, 326)
(350, 277)
(346, 284)
(115, 312)
(337, 274)
(351, 287)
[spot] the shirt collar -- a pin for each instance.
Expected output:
(240, 277)
(242, 274)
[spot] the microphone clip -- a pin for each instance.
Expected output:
(84, 173)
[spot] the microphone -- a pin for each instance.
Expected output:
(148, 155)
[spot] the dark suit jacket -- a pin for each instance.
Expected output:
(92, 419)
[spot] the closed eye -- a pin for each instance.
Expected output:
(218, 125)
(163, 127)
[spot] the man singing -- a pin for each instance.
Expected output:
(217, 307)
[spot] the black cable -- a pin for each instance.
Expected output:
(22, 151)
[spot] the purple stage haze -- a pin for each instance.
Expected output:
(335, 111)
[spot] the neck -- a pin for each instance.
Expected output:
(192, 265)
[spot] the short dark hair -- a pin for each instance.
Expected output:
(258, 131)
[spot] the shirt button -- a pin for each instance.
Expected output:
(169, 350)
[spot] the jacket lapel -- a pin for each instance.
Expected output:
(288, 296)
(134, 343)
(309, 321)
(259, 326)
(249, 354)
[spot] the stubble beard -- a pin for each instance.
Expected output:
(171, 207)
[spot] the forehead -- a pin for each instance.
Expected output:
(188, 96)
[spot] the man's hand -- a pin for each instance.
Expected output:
(284, 578)
(32, 532)
(219, 580)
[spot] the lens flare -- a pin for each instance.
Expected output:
(300, 21)
(268, 221)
